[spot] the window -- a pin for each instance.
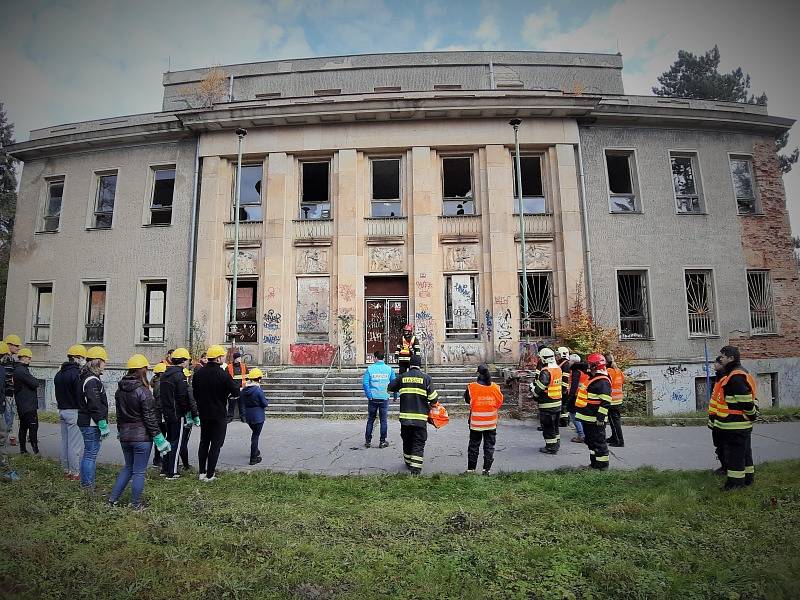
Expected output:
(161, 203)
(155, 306)
(742, 174)
(759, 291)
(532, 189)
(104, 202)
(634, 313)
(621, 170)
(685, 182)
(457, 198)
(42, 313)
(95, 312)
(539, 320)
(461, 315)
(386, 187)
(246, 303)
(315, 202)
(52, 209)
(249, 194)
(700, 303)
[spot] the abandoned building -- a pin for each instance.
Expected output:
(380, 189)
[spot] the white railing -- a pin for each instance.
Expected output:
(312, 228)
(385, 226)
(249, 231)
(460, 225)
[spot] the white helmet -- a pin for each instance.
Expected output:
(563, 352)
(547, 355)
(574, 358)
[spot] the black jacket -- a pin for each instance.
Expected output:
(212, 386)
(25, 386)
(66, 384)
(417, 395)
(136, 415)
(93, 401)
(156, 383)
(8, 365)
(173, 394)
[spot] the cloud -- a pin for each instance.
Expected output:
(542, 22)
(488, 31)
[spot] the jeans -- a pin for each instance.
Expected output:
(578, 425)
(3, 445)
(377, 407)
(91, 448)
(256, 429)
(71, 441)
(9, 414)
(137, 455)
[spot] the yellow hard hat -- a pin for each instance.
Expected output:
(13, 340)
(160, 368)
(181, 353)
(77, 350)
(187, 373)
(25, 352)
(215, 351)
(137, 361)
(3, 348)
(97, 352)
(255, 373)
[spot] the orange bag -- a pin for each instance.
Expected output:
(438, 416)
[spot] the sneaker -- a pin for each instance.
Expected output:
(469, 472)
(74, 477)
(208, 479)
(255, 460)
(383, 444)
(172, 477)
(367, 444)
(201, 477)
(162, 474)
(486, 472)
(113, 503)
(545, 450)
(539, 428)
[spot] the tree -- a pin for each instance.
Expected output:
(693, 76)
(8, 204)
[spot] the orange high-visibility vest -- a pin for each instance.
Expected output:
(554, 389)
(582, 399)
(484, 400)
(718, 406)
(617, 378)
(243, 372)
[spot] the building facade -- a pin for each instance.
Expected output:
(378, 190)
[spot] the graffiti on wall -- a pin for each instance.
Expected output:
(423, 286)
(313, 297)
(311, 355)
(463, 353)
(503, 337)
(424, 328)
(347, 342)
(347, 293)
(489, 324)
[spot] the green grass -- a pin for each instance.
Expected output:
(569, 534)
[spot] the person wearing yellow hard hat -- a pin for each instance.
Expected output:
(92, 413)
(174, 398)
(25, 385)
(67, 399)
(212, 387)
(252, 404)
(155, 383)
(8, 360)
(138, 429)
(6, 472)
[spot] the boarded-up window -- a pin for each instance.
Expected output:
(461, 321)
(313, 305)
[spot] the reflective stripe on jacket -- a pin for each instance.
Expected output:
(484, 400)
(617, 378)
(733, 403)
(416, 396)
(595, 399)
(241, 378)
(407, 348)
(548, 388)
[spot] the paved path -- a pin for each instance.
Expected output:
(337, 447)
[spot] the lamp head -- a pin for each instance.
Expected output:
(515, 123)
(241, 132)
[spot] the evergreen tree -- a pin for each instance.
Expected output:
(693, 76)
(8, 204)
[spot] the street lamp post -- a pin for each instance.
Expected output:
(233, 333)
(515, 123)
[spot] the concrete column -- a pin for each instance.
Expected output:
(569, 236)
(349, 281)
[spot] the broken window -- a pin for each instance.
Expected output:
(457, 197)
(161, 202)
(104, 202)
(538, 322)
(250, 192)
(759, 291)
(386, 187)
(532, 189)
(95, 312)
(51, 215)
(620, 166)
(315, 190)
(43, 310)
(155, 306)
(742, 173)
(685, 182)
(634, 314)
(246, 303)
(461, 320)
(700, 303)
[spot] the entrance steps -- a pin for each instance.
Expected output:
(305, 391)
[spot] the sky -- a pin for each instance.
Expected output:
(74, 60)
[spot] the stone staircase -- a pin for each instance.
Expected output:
(299, 390)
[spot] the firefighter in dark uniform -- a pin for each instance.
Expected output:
(563, 362)
(408, 347)
(547, 389)
(416, 398)
(731, 412)
(591, 407)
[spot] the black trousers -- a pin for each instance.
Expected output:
(719, 445)
(414, 438)
(595, 436)
(549, 418)
(738, 456)
(615, 422)
(29, 426)
(184, 452)
(212, 437)
(174, 435)
(488, 437)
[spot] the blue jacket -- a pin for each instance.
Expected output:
(252, 403)
(375, 380)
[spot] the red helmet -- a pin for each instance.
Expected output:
(596, 361)
(408, 327)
